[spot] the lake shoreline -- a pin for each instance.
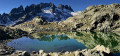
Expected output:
(97, 51)
(9, 50)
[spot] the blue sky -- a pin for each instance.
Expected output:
(77, 5)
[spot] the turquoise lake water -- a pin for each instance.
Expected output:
(59, 43)
(67, 41)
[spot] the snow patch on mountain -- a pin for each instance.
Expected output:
(47, 10)
(76, 13)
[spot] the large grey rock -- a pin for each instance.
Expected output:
(97, 51)
(41, 52)
(40, 20)
(4, 50)
(20, 53)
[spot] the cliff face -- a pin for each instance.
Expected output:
(97, 18)
(49, 11)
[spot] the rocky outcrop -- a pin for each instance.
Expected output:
(76, 13)
(10, 33)
(97, 51)
(40, 25)
(39, 20)
(6, 35)
(5, 50)
(4, 18)
(97, 18)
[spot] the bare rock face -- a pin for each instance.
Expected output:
(39, 20)
(102, 48)
(21, 53)
(47, 10)
(10, 33)
(5, 49)
(4, 18)
(97, 18)
(16, 13)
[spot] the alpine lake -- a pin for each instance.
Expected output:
(66, 41)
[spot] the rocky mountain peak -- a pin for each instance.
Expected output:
(20, 9)
(4, 18)
(47, 10)
(52, 5)
(115, 5)
(60, 6)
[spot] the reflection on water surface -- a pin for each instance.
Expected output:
(49, 43)
(67, 41)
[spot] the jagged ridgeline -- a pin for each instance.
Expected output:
(48, 11)
(93, 18)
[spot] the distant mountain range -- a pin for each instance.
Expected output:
(48, 11)
(93, 18)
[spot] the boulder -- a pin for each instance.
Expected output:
(20, 53)
(4, 50)
(102, 48)
(39, 20)
(41, 52)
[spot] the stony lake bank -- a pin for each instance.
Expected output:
(93, 48)
(94, 18)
